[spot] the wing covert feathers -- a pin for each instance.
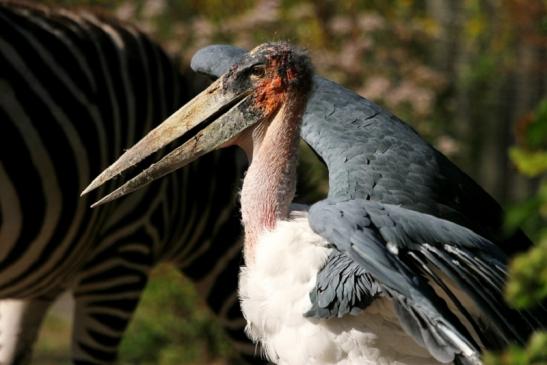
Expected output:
(402, 253)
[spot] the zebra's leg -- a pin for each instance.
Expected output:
(104, 305)
(20, 321)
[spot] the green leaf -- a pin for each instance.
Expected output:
(536, 133)
(535, 353)
(517, 215)
(527, 285)
(531, 163)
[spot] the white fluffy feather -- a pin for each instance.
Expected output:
(274, 292)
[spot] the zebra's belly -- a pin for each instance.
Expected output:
(41, 256)
(40, 272)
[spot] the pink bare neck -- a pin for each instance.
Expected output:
(270, 182)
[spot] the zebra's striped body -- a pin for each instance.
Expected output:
(75, 90)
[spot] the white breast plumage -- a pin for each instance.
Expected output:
(274, 292)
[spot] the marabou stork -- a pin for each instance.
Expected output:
(396, 266)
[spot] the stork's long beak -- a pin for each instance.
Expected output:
(211, 119)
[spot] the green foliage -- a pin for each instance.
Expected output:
(531, 163)
(535, 353)
(530, 158)
(527, 286)
(172, 326)
(536, 132)
(530, 213)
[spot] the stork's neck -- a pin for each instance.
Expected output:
(270, 182)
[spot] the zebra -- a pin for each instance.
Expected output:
(76, 88)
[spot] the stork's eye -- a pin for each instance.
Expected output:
(258, 71)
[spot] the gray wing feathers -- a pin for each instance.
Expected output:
(343, 287)
(399, 246)
(407, 228)
(351, 229)
(433, 334)
(475, 264)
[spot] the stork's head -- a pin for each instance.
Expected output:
(244, 99)
(271, 75)
(268, 74)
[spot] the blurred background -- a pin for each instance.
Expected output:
(469, 75)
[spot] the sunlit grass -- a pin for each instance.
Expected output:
(53, 345)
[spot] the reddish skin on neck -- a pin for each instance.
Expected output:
(272, 148)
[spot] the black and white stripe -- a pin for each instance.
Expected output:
(75, 90)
